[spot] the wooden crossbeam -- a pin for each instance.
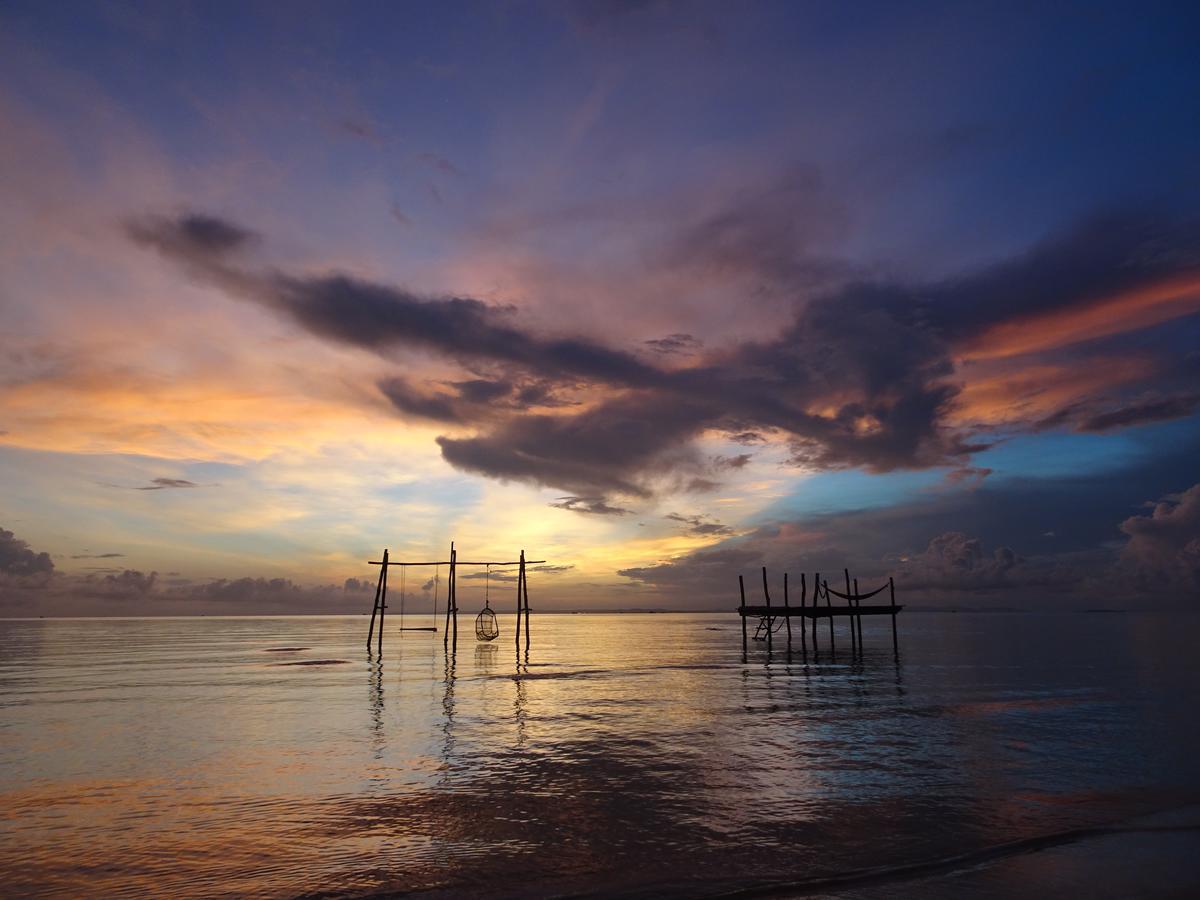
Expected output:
(818, 612)
(446, 562)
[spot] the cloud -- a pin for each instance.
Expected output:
(396, 211)
(98, 556)
(129, 584)
(701, 526)
(1142, 413)
(675, 345)
(968, 475)
(17, 561)
(954, 561)
(164, 484)
(438, 162)
(549, 569)
(440, 407)
(699, 574)
(1163, 552)
(503, 575)
(359, 128)
(379, 317)
(765, 236)
(738, 461)
(592, 506)
(1108, 273)
(192, 237)
(747, 438)
(864, 375)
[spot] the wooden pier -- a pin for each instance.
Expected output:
(772, 617)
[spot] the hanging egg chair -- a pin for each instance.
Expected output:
(486, 628)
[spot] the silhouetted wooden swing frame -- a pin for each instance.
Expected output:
(450, 638)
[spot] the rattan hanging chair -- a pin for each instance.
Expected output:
(486, 628)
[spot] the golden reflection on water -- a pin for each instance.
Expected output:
(621, 753)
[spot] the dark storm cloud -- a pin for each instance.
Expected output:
(862, 376)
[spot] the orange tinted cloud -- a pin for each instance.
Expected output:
(1004, 392)
(1129, 311)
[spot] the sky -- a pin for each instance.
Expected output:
(659, 292)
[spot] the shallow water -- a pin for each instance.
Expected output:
(630, 754)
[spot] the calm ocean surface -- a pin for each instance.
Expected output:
(632, 755)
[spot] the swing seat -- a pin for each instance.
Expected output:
(486, 628)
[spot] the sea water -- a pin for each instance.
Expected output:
(628, 755)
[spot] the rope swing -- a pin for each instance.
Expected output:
(486, 628)
(437, 580)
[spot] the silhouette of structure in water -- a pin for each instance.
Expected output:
(486, 628)
(772, 618)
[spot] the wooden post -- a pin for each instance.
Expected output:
(815, 601)
(829, 606)
(892, 591)
(850, 603)
(454, 596)
(449, 598)
(803, 618)
(375, 608)
(858, 603)
(787, 614)
(741, 612)
(520, 588)
(382, 605)
(767, 595)
(525, 586)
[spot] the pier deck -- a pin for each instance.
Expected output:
(818, 612)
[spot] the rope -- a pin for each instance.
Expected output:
(402, 568)
(829, 590)
(487, 583)
(437, 581)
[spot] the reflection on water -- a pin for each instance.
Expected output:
(623, 754)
